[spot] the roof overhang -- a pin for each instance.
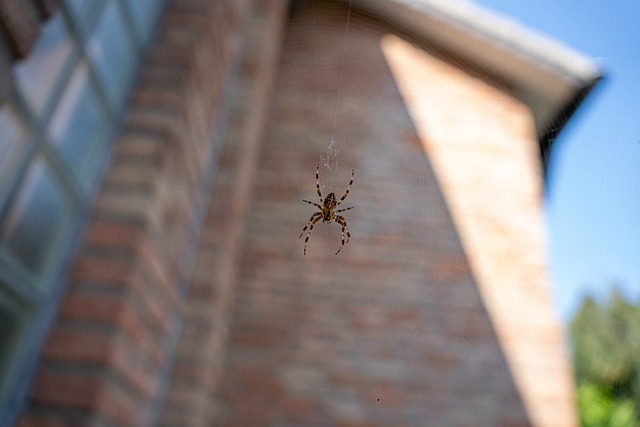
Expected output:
(550, 78)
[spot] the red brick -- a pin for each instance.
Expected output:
(50, 421)
(112, 310)
(85, 392)
(297, 408)
(114, 234)
(94, 269)
(67, 390)
(357, 423)
(84, 346)
(122, 273)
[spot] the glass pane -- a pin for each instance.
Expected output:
(13, 136)
(83, 12)
(79, 127)
(145, 14)
(13, 321)
(12, 325)
(112, 52)
(37, 75)
(38, 221)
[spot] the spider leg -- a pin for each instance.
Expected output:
(316, 215)
(318, 183)
(343, 222)
(343, 210)
(314, 204)
(310, 224)
(346, 193)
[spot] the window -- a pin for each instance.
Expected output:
(55, 133)
(13, 141)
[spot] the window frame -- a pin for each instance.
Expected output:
(39, 297)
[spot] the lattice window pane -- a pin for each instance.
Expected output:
(113, 53)
(144, 13)
(38, 74)
(38, 222)
(79, 127)
(13, 138)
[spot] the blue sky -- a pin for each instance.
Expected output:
(593, 205)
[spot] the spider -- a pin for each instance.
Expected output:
(327, 211)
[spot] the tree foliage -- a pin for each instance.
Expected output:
(605, 340)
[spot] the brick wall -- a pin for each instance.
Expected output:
(107, 359)
(196, 376)
(484, 154)
(399, 329)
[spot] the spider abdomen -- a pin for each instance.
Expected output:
(330, 201)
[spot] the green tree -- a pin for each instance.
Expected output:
(605, 340)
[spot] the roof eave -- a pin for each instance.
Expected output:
(549, 77)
